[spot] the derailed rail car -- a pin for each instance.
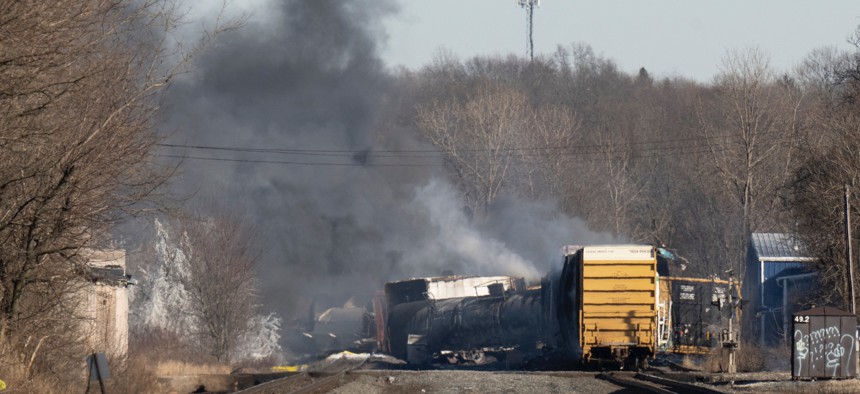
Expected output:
(601, 306)
(692, 315)
(692, 312)
(464, 329)
(607, 310)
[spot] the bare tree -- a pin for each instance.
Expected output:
(549, 142)
(749, 135)
(198, 284)
(223, 249)
(80, 83)
(828, 164)
(478, 137)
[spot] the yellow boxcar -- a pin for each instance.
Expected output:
(617, 301)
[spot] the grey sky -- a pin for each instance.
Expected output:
(678, 37)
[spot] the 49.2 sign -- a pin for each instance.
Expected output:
(801, 319)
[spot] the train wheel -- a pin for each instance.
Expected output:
(639, 364)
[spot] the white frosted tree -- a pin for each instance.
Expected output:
(190, 289)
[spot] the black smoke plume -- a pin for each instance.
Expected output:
(308, 76)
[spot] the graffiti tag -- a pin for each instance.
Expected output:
(826, 347)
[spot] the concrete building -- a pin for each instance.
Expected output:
(104, 303)
(779, 276)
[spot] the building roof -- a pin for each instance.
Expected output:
(112, 276)
(779, 247)
(794, 272)
(824, 311)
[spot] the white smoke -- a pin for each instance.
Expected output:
(454, 236)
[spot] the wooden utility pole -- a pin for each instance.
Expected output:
(849, 255)
(730, 337)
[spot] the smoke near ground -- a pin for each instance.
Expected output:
(309, 77)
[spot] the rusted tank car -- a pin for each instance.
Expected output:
(464, 329)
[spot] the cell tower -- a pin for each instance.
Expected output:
(530, 5)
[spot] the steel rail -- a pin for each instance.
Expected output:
(322, 385)
(319, 379)
(684, 386)
(655, 384)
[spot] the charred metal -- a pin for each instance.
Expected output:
(604, 305)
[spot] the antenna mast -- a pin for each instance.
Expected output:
(529, 5)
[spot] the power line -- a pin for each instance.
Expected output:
(297, 162)
(221, 159)
(500, 152)
(426, 153)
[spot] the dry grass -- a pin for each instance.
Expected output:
(17, 380)
(150, 356)
(689, 363)
(715, 362)
(154, 355)
(750, 358)
(27, 367)
(174, 368)
(141, 372)
(778, 358)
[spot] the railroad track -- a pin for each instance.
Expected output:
(323, 382)
(309, 381)
(655, 384)
(302, 383)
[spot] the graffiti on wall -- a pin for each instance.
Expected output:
(828, 348)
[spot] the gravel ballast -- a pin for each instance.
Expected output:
(474, 381)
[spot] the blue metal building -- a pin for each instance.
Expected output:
(779, 274)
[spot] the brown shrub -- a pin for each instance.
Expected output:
(42, 362)
(716, 361)
(155, 354)
(750, 358)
